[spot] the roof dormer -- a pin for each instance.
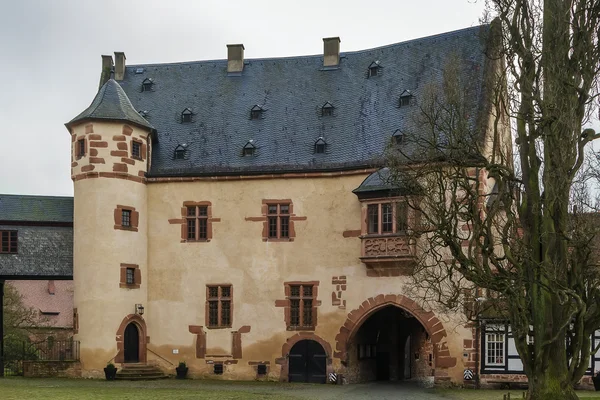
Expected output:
(186, 115)
(249, 148)
(406, 99)
(180, 152)
(147, 85)
(320, 145)
(375, 69)
(256, 112)
(327, 109)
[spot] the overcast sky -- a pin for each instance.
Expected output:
(51, 55)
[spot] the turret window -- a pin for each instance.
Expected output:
(136, 150)
(131, 276)
(126, 218)
(80, 148)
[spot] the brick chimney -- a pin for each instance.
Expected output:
(331, 52)
(107, 66)
(235, 58)
(119, 65)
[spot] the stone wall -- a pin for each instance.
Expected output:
(51, 369)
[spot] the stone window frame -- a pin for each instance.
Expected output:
(219, 299)
(265, 220)
(395, 202)
(78, 154)
(10, 239)
(286, 304)
(137, 276)
(141, 148)
(134, 218)
(209, 221)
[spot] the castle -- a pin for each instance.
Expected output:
(235, 215)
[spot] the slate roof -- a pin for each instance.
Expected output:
(43, 252)
(292, 91)
(111, 103)
(384, 180)
(36, 208)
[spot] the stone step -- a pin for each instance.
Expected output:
(134, 372)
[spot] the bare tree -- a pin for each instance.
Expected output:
(520, 230)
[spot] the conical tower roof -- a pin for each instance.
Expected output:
(111, 103)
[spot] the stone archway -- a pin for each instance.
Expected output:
(140, 324)
(428, 320)
(290, 342)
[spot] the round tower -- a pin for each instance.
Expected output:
(110, 155)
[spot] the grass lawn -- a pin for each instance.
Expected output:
(82, 389)
(470, 394)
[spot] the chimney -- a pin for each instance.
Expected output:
(107, 65)
(119, 65)
(235, 58)
(331, 52)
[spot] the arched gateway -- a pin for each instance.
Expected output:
(390, 337)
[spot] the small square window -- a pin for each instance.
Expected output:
(186, 117)
(255, 114)
(320, 148)
(136, 150)
(327, 111)
(179, 154)
(126, 218)
(373, 71)
(261, 369)
(248, 151)
(218, 369)
(130, 276)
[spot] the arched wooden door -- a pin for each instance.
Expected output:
(307, 362)
(132, 344)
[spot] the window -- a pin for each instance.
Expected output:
(130, 276)
(197, 222)
(218, 369)
(301, 306)
(249, 148)
(261, 369)
(80, 148)
(136, 150)
(327, 110)
(397, 137)
(147, 85)
(256, 112)
(126, 218)
(405, 99)
(186, 115)
(320, 145)
(180, 154)
(8, 242)
(494, 352)
(373, 71)
(218, 306)
(387, 218)
(279, 221)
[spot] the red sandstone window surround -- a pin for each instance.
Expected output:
(126, 218)
(131, 276)
(301, 310)
(219, 306)
(196, 221)
(136, 150)
(9, 242)
(278, 220)
(80, 149)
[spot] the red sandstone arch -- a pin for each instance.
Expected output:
(290, 342)
(144, 339)
(430, 322)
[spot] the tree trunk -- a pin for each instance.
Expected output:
(551, 382)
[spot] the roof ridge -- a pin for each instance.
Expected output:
(224, 60)
(34, 196)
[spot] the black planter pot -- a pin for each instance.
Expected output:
(110, 373)
(596, 380)
(181, 372)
